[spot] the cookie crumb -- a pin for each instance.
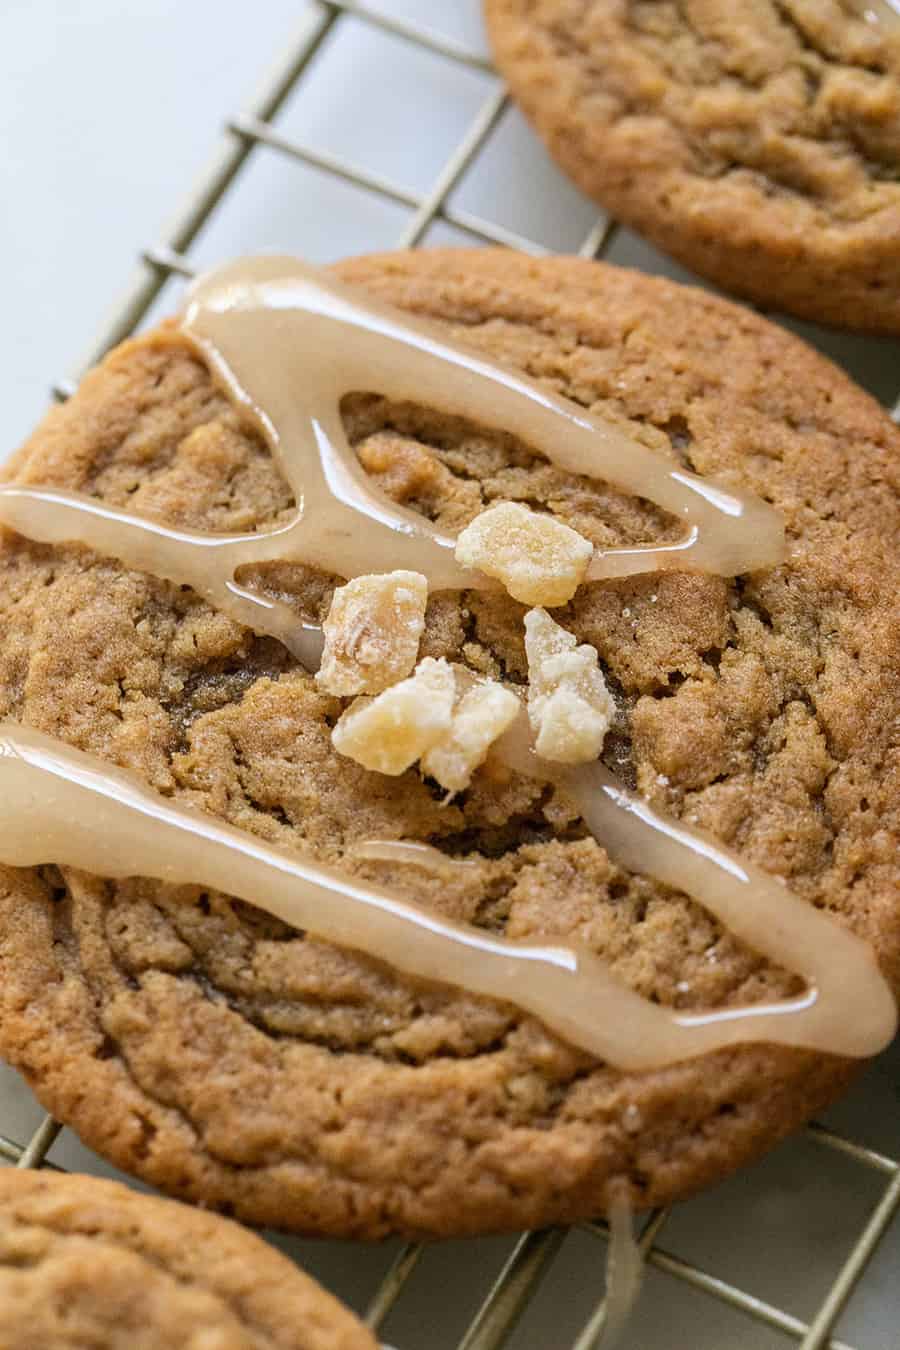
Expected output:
(372, 633)
(482, 714)
(538, 559)
(569, 705)
(389, 732)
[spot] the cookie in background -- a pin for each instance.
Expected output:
(757, 143)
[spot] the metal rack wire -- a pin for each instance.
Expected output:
(508, 1299)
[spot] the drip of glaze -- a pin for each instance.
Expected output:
(60, 805)
(624, 1273)
(287, 342)
(410, 853)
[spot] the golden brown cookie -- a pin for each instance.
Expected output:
(85, 1262)
(757, 142)
(227, 1058)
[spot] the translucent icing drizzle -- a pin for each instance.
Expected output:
(61, 805)
(624, 1272)
(287, 342)
(412, 853)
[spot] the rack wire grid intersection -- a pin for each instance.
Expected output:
(507, 1300)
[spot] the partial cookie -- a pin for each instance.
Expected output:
(85, 1262)
(227, 1058)
(758, 143)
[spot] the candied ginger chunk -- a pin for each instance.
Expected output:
(372, 633)
(569, 705)
(539, 560)
(391, 731)
(482, 714)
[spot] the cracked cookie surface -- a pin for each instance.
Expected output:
(757, 141)
(229, 1059)
(85, 1262)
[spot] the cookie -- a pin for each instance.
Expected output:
(755, 142)
(89, 1262)
(230, 1059)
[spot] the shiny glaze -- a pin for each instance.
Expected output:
(63, 806)
(287, 342)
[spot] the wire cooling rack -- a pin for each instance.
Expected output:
(503, 1313)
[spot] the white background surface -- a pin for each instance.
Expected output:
(107, 109)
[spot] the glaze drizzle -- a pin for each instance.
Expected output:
(61, 805)
(286, 342)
